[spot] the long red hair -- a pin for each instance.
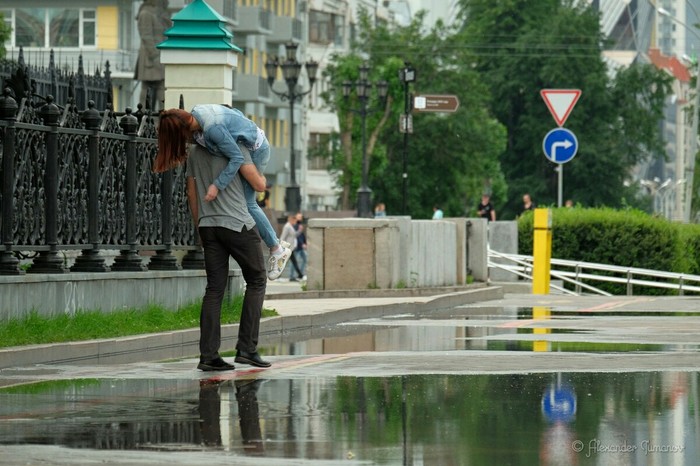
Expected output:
(174, 134)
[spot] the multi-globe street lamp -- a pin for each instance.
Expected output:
(291, 70)
(362, 91)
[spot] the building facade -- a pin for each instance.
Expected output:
(105, 30)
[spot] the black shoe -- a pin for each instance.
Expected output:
(217, 364)
(254, 359)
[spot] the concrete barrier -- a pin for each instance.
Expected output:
(391, 252)
(503, 237)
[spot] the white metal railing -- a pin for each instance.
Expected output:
(574, 272)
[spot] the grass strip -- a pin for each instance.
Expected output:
(89, 325)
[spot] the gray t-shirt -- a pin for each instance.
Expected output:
(229, 209)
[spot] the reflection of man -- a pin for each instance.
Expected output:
(248, 413)
(153, 20)
(249, 416)
(209, 412)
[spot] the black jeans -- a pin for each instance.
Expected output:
(245, 248)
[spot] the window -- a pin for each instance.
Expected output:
(54, 27)
(89, 28)
(325, 28)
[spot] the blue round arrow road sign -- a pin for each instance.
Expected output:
(560, 145)
(559, 403)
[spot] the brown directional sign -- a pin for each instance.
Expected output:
(435, 103)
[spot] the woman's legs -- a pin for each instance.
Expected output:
(267, 233)
(260, 158)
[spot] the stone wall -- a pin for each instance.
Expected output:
(55, 294)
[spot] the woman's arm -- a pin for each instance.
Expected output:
(225, 144)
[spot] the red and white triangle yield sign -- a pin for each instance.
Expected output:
(560, 102)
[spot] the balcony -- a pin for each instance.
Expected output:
(251, 88)
(253, 20)
(285, 29)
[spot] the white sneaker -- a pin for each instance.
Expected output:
(277, 262)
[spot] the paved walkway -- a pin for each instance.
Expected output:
(297, 309)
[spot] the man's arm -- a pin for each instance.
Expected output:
(493, 215)
(192, 200)
(253, 177)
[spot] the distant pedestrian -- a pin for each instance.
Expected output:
(300, 251)
(569, 203)
(289, 235)
(527, 203)
(437, 212)
(380, 210)
(485, 209)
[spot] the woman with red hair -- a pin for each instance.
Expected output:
(220, 129)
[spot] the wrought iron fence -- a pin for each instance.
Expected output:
(80, 178)
(62, 83)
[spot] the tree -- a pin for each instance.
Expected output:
(528, 45)
(5, 32)
(452, 158)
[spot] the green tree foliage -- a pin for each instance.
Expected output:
(524, 46)
(4, 36)
(452, 158)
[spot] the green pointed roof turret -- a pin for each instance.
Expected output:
(198, 26)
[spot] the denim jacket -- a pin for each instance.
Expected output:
(223, 128)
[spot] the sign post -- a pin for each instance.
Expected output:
(560, 145)
(436, 103)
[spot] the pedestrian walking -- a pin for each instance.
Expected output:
(289, 235)
(527, 203)
(299, 255)
(485, 208)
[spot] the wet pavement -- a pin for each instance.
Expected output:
(523, 380)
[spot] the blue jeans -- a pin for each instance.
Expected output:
(300, 255)
(260, 159)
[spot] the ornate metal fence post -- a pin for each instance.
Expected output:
(129, 260)
(194, 259)
(164, 259)
(9, 264)
(49, 261)
(90, 260)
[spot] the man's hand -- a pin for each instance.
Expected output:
(212, 192)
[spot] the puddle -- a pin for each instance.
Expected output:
(500, 329)
(533, 419)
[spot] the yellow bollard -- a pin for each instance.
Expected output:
(541, 251)
(541, 313)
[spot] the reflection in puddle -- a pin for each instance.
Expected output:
(528, 419)
(493, 329)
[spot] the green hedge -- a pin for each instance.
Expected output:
(619, 237)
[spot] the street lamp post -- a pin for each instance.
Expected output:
(362, 90)
(407, 75)
(693, 146)
(291, 69)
